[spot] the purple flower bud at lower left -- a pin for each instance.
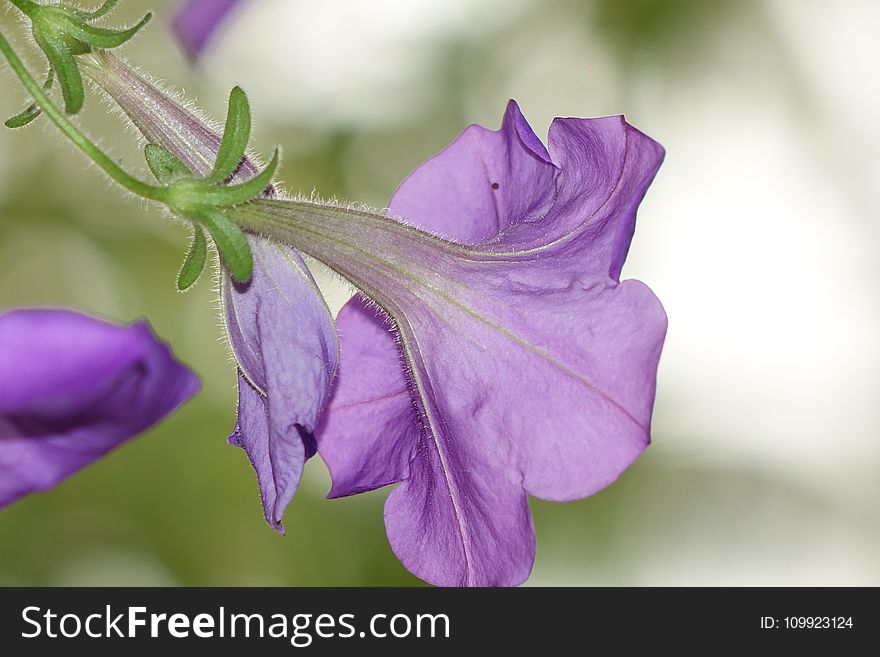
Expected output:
(73, 388)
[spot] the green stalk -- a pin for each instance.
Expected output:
(73, 133)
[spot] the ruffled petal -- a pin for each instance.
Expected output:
(546, 393)
(480, 184)
(606, 166)
(556, 381)
(531, 368)
(459, 507)
(456, 522)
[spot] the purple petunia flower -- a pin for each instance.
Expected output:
(520, 363)
(503, 357)
(281, 332)
(72, 388)
(197, 20)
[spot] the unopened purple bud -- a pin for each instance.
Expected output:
(280, 330)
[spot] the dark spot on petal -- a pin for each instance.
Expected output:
(495, 185)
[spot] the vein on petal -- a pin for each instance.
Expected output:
(372, 400)
(434, 433)
(396, 316)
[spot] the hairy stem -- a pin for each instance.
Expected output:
(92, 151)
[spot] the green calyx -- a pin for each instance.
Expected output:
(62, 32)
(204, 201)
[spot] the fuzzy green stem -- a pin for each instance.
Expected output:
(73, 133)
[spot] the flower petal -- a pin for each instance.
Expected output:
(285, 343)
(456, 522)
(593, 348)
(606, 166)
(503, 190)
(278, 457)
(197, 20)
(72, 388)
(480, 184)
(531, 367)
(369, 438)
(548, 392)
(458, 508)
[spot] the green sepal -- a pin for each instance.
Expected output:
(195, 260)
(33, 110)
(236, 135)
(76, 46)
(235, 194)
(23, 118)
(66, 70)
(101, 11)
(164, 164)
(102, 37)
(230, 241)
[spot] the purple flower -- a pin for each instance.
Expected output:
(197, 20)
(285, 343)
(281, 332)
(72, 388)
(506, 358)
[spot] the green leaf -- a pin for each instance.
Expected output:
(236, 135)
(164, 164)
(103, 10)
(235, 194)
(195, 260)
(230, 241)
(66, 70)
(101, 37)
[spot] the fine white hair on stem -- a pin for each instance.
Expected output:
(177, 96)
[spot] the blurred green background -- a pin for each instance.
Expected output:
(759, 235)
